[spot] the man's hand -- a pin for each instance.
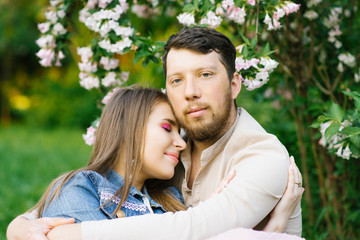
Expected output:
(23, 229)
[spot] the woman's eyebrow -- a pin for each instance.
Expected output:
(171, 121)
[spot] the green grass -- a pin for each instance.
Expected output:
(30, 158)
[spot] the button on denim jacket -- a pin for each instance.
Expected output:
(84, 195)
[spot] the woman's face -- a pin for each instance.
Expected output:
(163, 144)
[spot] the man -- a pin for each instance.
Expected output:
(202, 85)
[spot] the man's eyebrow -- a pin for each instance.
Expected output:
(211, 67)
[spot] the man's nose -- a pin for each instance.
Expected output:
(192, 90)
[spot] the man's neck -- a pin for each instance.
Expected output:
(198, 147)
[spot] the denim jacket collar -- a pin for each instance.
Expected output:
(108, 189)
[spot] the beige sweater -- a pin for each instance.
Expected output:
(261, 164)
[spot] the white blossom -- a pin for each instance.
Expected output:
(238, 15)
(46, 41)
(109, 63)
(90, 82)
(187, 19)
(61, 13)
(51, 16)
(311, 15)
(347, 59)
(211, 19)
(44, 27)
(58, 29)
(85, 52)
(88, 67)
(269, 64)
(110, 79)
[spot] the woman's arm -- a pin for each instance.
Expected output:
(23, 228)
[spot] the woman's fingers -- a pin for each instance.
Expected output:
(230, 176)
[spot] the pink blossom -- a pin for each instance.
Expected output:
(291, 7)
(276, 23)
(237, 15)
(239, 48)
(110, 79)
(219, 11)
(90, 82)
(46, 56)
(44, 27)
(46, 41)
(107, 97)
(211, 19)
(124, 76)
(88, 66)
(109, 63)
(227, 3)
(89, 137)
(251, 2)
(104, 3)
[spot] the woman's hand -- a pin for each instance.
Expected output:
(224, 182)
(279, 217)
(22, 228)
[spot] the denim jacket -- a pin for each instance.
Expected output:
(84, 195)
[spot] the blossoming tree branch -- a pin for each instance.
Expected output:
(114, 35)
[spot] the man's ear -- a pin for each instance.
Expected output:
(236, 82)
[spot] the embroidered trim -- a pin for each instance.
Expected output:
(108, 196)
(135, 207)
(132, 206)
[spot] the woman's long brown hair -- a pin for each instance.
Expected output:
(120, 137)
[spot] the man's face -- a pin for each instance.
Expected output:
(200, 93)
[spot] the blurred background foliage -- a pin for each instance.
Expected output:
(44, 111)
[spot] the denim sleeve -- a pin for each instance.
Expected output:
(78, 199)
(177, 194)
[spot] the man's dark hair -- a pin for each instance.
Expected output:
(203, 40)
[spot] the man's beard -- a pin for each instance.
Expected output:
(200, 131)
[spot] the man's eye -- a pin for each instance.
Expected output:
(166, 126)
(176, 81)
(206, 74)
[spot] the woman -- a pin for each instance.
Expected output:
(136, 149)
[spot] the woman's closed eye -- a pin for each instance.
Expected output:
(166, 126)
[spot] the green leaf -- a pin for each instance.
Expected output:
(357, 102)
(335, 112)
(190, 8)
(245, 51)
(350, 131)
(318, 121)
(331, 130)
(246, 41)
(265, 49)
(355, 139)
(253, 42)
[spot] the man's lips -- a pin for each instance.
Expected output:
(196, 112)
(173, 155)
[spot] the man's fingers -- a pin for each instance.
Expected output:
(53, 222)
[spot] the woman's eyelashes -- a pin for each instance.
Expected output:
(166, 126)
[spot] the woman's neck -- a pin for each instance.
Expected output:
(137, 182)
